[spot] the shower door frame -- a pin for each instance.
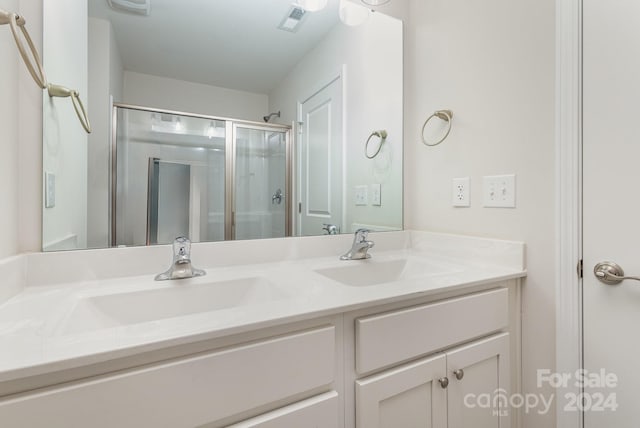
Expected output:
(230, 159)
(231, 169)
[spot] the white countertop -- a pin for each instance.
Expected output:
(38, 333)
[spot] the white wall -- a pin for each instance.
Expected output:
(171, 94)
(9, 141)
(492, 63)
(65, 141)
(373, 62)
(30, 141)
(107, 79)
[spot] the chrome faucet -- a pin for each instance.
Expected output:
(331, 229)
(360, 246)
(181, 267)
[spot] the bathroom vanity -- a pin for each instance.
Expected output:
(297, 338)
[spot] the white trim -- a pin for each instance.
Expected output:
(568, 198)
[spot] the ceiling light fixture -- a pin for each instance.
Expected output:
(312, 5)
(353, 14)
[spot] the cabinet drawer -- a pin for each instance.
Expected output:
(317, 412)
(185, 393)
(390, 338)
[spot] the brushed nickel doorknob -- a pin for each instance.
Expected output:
(611, 273)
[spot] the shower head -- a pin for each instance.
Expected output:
(268, 117)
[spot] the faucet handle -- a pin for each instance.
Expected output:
(182, 247)
(361, 235)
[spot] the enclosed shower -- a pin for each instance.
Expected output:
(208, 178)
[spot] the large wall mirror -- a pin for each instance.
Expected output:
(218, 120)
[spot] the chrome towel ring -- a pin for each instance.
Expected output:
(382, 134)
(447, 116)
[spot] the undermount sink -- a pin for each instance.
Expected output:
(373, 272)
(175, 300)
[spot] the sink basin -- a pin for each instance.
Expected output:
(373, 272)
(112, 310)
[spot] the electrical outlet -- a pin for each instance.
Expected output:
(361, 195)
(376, 196)
(460, 192)
(499, 191)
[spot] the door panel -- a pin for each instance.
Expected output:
(259, 177)
(321, 160)
(407, 397)
(611, 150)
(485, 370)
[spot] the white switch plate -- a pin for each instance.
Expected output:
(460, 192)
(376, 196)
(50, 190)
(499, 191)
(361, 195)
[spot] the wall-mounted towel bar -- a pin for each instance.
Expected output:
(34, 66)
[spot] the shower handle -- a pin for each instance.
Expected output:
(277, 197)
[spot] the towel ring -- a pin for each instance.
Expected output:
(382, 134)
(61, 91)
(447, 116)
(14, 22)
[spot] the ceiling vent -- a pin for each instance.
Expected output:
(137, 7)
(293, 19)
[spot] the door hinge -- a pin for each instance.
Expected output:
(579, 268)
(299, 207)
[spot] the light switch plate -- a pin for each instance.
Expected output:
(499, 191)
(361, 195)
(50, 190)
(376, 196)
(460, 192)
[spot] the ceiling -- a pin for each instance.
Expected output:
(228, 43)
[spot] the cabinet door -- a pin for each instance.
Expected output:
(406, 397)
(479, 394)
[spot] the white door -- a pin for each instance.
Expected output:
(410, 396)
(321, 160)
(476, 370)
(611, 225)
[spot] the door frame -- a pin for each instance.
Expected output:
(322, 83)
(568, 151)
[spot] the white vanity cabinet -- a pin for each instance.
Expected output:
(377, 366)
(208, 389)
(441, 391)
(435, 365)
(317, 412)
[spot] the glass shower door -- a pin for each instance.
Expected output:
(260, 203)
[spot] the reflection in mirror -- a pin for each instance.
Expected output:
(241, 119)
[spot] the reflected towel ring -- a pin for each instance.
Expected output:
(447, 116)
(382, 134)
(14, 22)
(61, 91)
